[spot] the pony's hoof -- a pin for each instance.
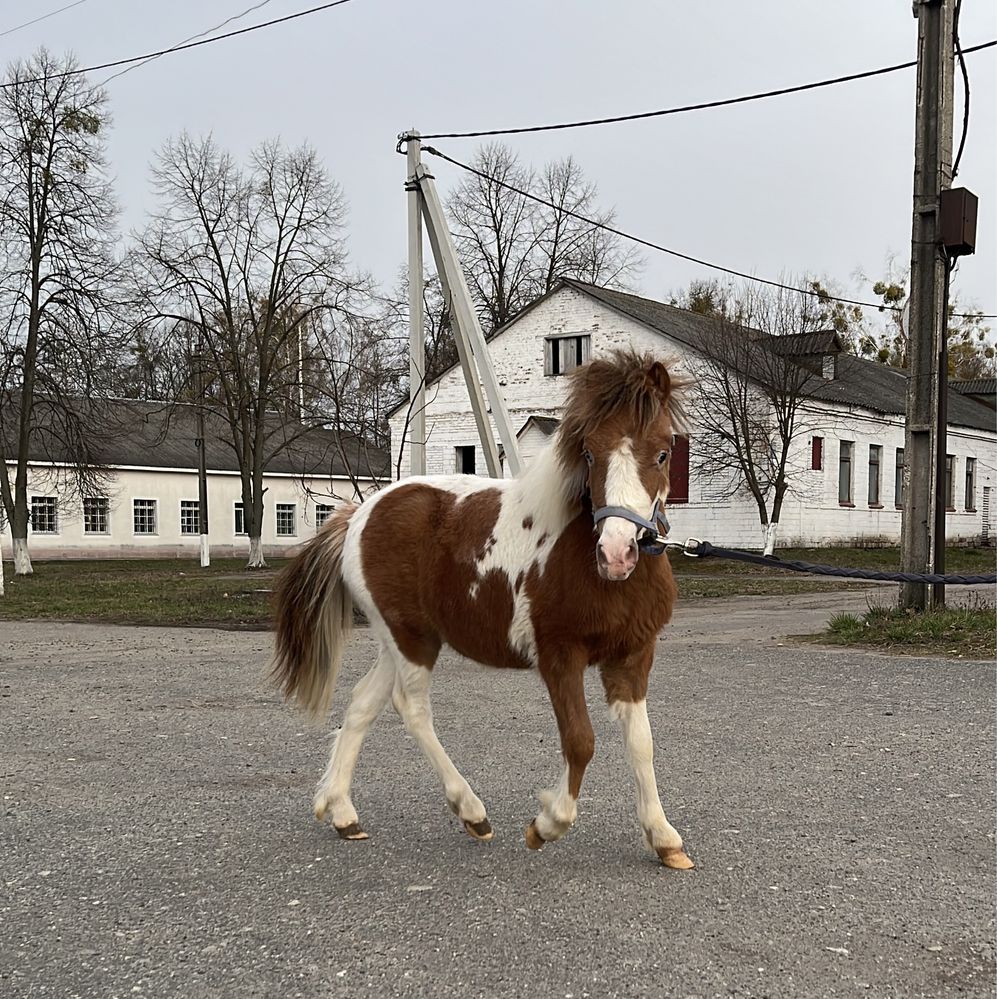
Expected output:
(352, 831)
(675, 857)
(480, 830)
(533, 839)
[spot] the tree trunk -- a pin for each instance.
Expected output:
(771, 530)
(1, 564)
(256, 560)
(22, 560)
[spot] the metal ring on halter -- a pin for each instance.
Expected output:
(655, 526)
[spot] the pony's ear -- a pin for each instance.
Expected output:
(658, 380)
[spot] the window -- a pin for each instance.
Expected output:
(949, 482)
(564, 353)
(845, 472)
(875, 461)
(817, 454)
(898, 485)
(465, 459)
(190, 517)
(678, 471)
(44, 515)
(285, 520)
(95, 515)
(323, 511)
(144, 516)
(970, 483)
(240, 519)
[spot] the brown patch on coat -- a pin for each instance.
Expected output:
(430, 592)
(527, 523)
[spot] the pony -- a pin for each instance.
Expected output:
(540, 571)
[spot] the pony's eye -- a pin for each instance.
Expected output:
(587, 455)
(662, 457)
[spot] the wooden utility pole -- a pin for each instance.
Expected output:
(921, 541)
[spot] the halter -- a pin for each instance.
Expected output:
(655, 526)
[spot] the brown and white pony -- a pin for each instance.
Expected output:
(510, 573)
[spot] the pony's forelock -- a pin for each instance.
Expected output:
(604, 388)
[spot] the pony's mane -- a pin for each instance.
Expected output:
(620, 383)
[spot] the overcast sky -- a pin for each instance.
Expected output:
(817, 182)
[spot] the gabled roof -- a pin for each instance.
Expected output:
(545, 424)
(689, 328)
(867, 384)
(148, 434)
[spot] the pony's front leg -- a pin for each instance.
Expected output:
(565, 681)
(626, 692)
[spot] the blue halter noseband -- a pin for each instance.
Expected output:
(655, 526)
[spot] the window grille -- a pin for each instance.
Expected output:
(284, 514)
(144, 516)
(96, 515)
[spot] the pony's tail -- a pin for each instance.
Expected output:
(314, 618)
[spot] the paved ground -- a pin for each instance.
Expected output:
(156, 838)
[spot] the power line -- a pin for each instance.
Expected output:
(726, 102)
(822, 295)
(179, 48)
(44, 17)
(960, 52)
(192, 38)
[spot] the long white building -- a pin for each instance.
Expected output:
(146, 504)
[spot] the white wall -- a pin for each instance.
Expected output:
(168, 487)
(812, 515)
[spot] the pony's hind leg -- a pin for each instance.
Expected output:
(626, 692)
(333, 793)
(410, 698)
(565, 682)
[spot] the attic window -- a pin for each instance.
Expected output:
(564, 353)
(829, 366)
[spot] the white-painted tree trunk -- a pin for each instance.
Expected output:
(256, 560)
(769, 534)
(205, 552)
(22, 559)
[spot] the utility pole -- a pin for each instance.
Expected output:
(425, 206)
(417, 330)
(202, 467)
(921, 540)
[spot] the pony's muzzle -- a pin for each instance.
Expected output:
(616, 561)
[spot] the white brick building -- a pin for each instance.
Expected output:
(844, 482)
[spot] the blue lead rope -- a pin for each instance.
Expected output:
(655, 527)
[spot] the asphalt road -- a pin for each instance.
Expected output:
(156, 836)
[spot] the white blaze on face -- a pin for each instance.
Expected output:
(618, 538)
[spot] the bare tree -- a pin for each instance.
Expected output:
(757, 361)
(514, 248)
(57, 233)
(245, 261)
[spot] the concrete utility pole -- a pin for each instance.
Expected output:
(425, 206)
(920, 540)
(202, 470)
(417, 333)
